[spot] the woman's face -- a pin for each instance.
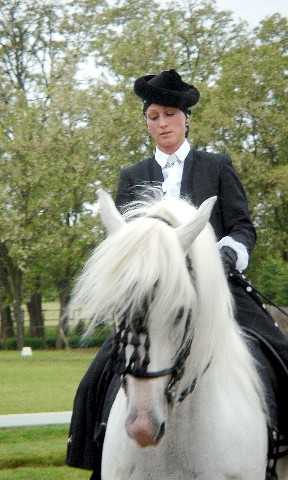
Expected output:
(167, 127)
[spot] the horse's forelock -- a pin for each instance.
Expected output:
(128, 266)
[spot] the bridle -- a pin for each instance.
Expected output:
(138, 369)
(128, 333)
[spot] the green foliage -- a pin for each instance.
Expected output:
(272, 279)
(62, 136)
(75, 340)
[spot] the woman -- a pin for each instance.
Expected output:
(195, 175)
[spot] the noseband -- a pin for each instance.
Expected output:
(136, 330)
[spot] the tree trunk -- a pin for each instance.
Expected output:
(17, 306)
(11, 278)
(7, 330)
(6, 296)
(34, 307)
(62, 334)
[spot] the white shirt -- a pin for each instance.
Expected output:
(172, 175)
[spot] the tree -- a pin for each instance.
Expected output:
(30, 121)
(63, 136)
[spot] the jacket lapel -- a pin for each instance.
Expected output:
(155, 171)
(187, 176)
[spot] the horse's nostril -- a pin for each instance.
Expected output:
(161, 432)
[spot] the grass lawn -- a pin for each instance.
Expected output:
(47, 381)
(36, 453)
(45, 473)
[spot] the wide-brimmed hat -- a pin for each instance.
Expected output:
(167, 89)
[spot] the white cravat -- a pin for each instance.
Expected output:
(171, 160)
(172, 173)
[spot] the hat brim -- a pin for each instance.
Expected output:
(161, 96)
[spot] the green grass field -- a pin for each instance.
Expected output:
(34, 453)
(47, 381)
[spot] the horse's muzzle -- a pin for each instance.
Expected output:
(145, 429)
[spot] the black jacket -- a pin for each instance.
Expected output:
(204, 175)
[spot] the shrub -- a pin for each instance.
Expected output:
(49, 342)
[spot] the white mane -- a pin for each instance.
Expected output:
(126, 266)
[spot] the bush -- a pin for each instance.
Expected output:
(9, 344)
(49, 342)
(273, 280)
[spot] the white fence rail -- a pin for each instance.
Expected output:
(34, 419)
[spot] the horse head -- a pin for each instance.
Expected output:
(187, 233)
(150, 374)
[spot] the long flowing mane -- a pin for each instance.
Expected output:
(128, 264)
(144, 260)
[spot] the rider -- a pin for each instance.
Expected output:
(195, 175)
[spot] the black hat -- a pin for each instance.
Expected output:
(166, 89)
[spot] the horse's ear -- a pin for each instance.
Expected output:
(188, 232)
(111, 218)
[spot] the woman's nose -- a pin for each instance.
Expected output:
(162, 121)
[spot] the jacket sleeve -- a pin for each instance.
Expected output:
(124, 193)
(234, 206)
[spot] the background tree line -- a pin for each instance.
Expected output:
(62, 135)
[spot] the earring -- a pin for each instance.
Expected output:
(186, 130)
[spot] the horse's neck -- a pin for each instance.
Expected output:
(219, 353)
(213, 318)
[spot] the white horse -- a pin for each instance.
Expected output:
(191, 405)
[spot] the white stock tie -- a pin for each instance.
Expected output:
(171, 160)
(172, 177)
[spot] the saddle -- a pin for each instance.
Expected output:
(274, 376)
